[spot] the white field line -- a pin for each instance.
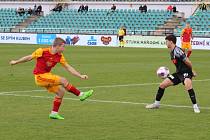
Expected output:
(103, 86)
(11, 93)
(99, 101)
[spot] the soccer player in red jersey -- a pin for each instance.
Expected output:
(46, 59)
(186, 37)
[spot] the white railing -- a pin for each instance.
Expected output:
(104, 31)
(61, 1)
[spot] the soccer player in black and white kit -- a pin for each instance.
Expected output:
(184, 74)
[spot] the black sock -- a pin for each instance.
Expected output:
(159, 94)
(192, 95)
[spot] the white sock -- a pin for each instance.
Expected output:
(53, 112)
(81, 93)
(157, 102)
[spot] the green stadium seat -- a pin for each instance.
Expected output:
(97, 19)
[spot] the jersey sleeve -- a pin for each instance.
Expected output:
(191, 30)
(63, 60)
(183, 30)
(37, 53)
(180, 54)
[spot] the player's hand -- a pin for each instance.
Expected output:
(194, 73)
(84, 77)
(13, 62)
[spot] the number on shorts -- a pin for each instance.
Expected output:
(171, 76)
(185, 75)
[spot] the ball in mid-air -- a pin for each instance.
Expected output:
(162, 72)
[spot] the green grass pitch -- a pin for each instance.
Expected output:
(123, 79)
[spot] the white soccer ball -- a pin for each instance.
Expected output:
(163, 72)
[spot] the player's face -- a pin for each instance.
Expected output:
(188, 25)
(169, 44)
(61, 48)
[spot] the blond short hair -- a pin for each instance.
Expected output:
(58, 41)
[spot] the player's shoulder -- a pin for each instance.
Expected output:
(46, 49)
(183, 30)
(62, 55)
(178, 51)
(42, 49)
(37, 53)
(191, 29)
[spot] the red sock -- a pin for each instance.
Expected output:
(189, 53)
(72, 89)
(56, 103)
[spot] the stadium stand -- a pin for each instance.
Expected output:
(9, 18)
(144, 0)
(200, 23)
(113, 0)
(97, 21)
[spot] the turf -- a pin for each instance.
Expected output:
(119, 78)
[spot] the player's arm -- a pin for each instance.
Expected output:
(73, 71)
(191, 36)
(179, 53)
(37, 53)
(70, 69)
(21, 60)
(181, 36)
(188, 62)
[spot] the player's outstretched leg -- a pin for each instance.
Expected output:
(189, 88)
(166, 83)
(70, 88)
(196, 108)
(156, 104)
(85, 95)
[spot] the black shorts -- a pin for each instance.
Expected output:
(120, 38)
(177, 78)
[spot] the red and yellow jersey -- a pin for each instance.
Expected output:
(186, 34)
(45, 60)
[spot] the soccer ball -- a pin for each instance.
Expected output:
(162, 72)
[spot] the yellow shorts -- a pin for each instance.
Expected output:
(186, 45)
(49, 81)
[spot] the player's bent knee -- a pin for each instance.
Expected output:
(64, 81)
(162, 85)
(188, 84)
(60, 93)
(166, 83)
